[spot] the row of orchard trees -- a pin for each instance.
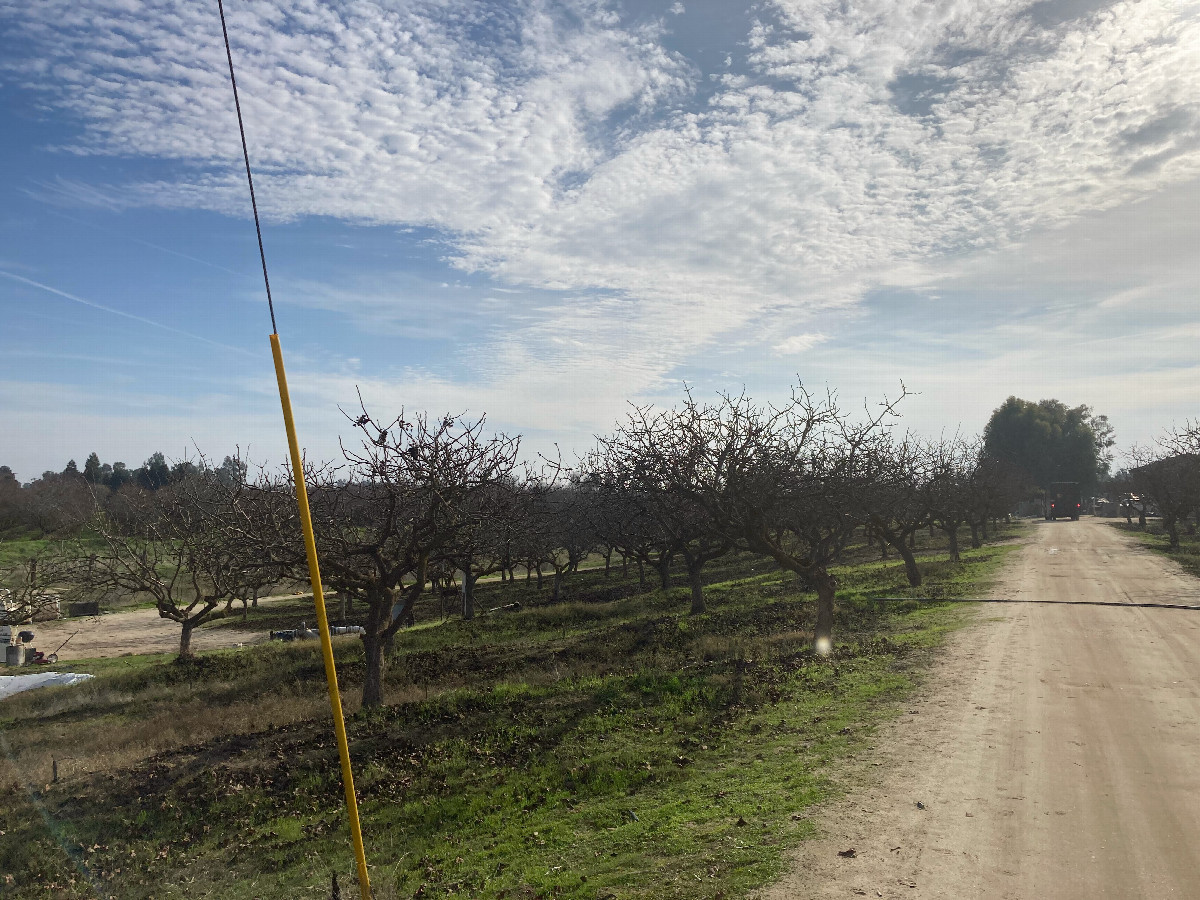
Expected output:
(794, 483)
(1168, 474)
(419, 499)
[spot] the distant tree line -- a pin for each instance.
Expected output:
(57, 502)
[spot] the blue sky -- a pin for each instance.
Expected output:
(544, 211)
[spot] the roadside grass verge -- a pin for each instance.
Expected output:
(596, 748)
(1154, 537)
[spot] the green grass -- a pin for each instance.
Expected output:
(607, 746)
(17, 544)
(1187, 554)
(21, 542)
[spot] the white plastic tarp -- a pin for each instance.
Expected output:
(14, 684)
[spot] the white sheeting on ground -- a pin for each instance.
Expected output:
(14, 684)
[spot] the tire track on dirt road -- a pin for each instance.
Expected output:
(1055, 747)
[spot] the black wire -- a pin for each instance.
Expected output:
(246, 155)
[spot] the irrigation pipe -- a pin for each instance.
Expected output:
(310, 544)
(1043, 602)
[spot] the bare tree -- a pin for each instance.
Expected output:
(992, 490)
(559, 530)
(894, 506)
(950, 464)
(58, 502)
(171, 545)
(1169, 474)
(409, 498)
(640, 462)
(485, 543)
(785, 481)
(622, 521)
(31, 587)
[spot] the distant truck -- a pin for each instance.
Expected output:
(1063, 501)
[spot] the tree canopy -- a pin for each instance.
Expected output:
(1050, 441)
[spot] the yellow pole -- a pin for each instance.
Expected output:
(310, 548)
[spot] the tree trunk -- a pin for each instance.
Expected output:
(642, 574)
(664, 570)
(826, 586)
(983, 528)
(185, 641)
(624, 566)
(693, 568)
(975, 542)
(952, 533)
(468, 595)
(558, 580)
(1172, 525)
(910, 563)
(372, 693)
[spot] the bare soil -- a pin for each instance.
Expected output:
(1055, 752)
(136, 631)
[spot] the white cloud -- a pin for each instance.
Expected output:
(561, 148)
(798, 343)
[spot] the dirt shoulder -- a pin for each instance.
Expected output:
(1052, 753)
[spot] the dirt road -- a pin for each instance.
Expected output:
(1056, 749)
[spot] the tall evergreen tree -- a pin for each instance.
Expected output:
(154, 472)
(119, 476)
(91, 468)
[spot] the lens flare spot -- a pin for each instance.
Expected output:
(824, 646)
